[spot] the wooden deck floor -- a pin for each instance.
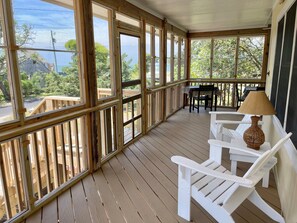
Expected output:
(140, 184)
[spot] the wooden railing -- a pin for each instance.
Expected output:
(48, 158)
(227, 96)
(50, 103)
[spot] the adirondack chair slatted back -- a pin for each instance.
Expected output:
(242, 127)
(265, 157)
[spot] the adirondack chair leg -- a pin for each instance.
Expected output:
(262, 205)
(265, 180)
(184, 192)
(215, 154)
(233, 167)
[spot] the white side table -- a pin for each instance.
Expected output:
(236, 156)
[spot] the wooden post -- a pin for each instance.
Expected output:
(143, 79)
(86, 44)
(118, 78)
(265, 56)
(164, 67)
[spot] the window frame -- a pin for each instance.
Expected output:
(211, 56)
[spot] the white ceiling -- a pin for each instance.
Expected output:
(211, 15)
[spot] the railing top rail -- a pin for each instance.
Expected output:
(13, 133)
(166, 86)
(229, 80)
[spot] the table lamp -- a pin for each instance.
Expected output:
(256, 104)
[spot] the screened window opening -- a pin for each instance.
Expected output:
(200, 58)
(152, 56)
(250, 57)
(228, 57)
(7, 112)
(168, 60)
(223, 58)
(102, 38)
(48, 55)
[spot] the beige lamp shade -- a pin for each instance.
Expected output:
(257, 103)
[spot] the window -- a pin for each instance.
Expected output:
(176, 58)
(6, 104)
(250, 57)
(48, 55)
(168, 62)
(157, 56)
(102, 38)
(152, 56)
(224, 58)
(182, 59)
(216, 57)
(200, 58)
(148, 56)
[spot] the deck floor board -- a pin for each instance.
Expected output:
(140, 183)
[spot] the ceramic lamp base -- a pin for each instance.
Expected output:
(254, 136)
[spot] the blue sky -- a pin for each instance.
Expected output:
(44, 17)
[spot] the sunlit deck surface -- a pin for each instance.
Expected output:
(140, 183)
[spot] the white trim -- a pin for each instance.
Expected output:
(289, 146)
(291, 73)
(287, 5)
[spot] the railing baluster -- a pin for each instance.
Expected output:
(4, 185)
(108, 130)
(77, 145)
(70, 149)
(16, 174)
(46, 157)
(84, 151)
(55, 157)
(64, 171)
(37, 164)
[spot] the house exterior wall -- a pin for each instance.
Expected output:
(286, 169)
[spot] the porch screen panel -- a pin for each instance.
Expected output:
(285, 64)
(292, 108)
(278, 49)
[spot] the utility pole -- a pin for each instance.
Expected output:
(55, 56)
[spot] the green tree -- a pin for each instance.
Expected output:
(53, 84)
(200, 58)
(23, 35)
(250, 57)
(102, 66)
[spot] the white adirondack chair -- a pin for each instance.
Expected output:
(218, 128)
(216, 189)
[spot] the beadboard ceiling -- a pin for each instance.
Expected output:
(211, 15)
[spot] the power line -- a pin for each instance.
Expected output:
(49, 10)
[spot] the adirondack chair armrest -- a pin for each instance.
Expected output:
(224, 113)
(227, 145)
(190, 164)
(226, 122)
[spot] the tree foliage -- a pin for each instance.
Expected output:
(23, 35)
(250, 56)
